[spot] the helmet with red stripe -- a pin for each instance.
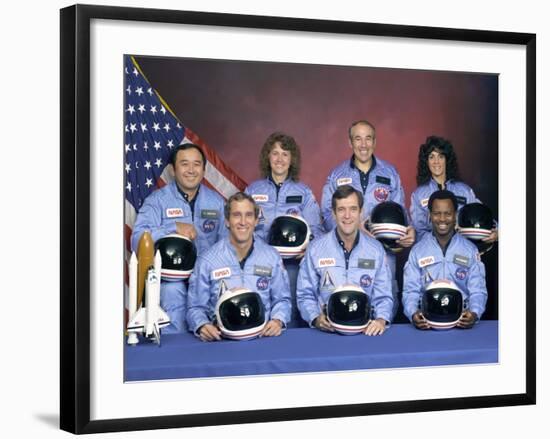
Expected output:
(178, 255)
(240, 314)
(348, 310)
(289, 235)
(442, 304)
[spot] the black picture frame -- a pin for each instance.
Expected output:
(75, 276)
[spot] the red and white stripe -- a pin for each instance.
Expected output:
(349, 330)
(474, 233)
(174, 275)
(248, 334)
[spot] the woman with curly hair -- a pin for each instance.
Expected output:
(437, 169)
(280, 192)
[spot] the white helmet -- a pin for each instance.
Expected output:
(348, 310)
(442, 304)
(290, 235)
(240, 314)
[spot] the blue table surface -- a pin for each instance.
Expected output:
(310, 350)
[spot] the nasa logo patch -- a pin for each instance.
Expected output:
(343, 181)
(365, 281)
(262, 283)
(292, 211)
(208, 226)
(381, 194)
(260, 198)
(461, 273)
(174, 212)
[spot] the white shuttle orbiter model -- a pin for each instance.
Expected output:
(149, 319)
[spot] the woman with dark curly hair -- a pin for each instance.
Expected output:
(280, 192)
(437, 169)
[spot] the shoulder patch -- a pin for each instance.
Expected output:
(424, 202)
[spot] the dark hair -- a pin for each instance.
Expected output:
(287, 144)
(361, 122)
(346, 191)
(239, 196)
(185, 147)
(442, 195)
(445, 147)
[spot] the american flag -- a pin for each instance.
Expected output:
(151, 131)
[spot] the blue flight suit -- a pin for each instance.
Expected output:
(326, 266)
(419, 213)
(460, 263)
(381, 183)
(158, 215)
(289, 198)
(219, 269)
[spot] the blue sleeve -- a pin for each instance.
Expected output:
(312, 214)
(280, 294)
(199, 311)
(477, 288)
(412, 286)
(382, 299)
(307, 287)
(149, 219)
(419, 220)
(326, 205)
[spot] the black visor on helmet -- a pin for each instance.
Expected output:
(178, 255)
(442, 305)
(287, 231)
(348, 308)
(475, 221)
(475, 216)
(241, 312)
(388, 212)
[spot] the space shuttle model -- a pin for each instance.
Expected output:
(144, 277)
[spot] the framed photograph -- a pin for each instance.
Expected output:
(226, 82)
